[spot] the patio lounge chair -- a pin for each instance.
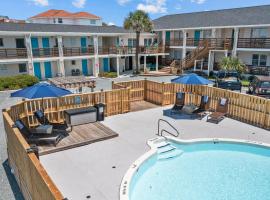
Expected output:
(220, 112)
(179, 102)
(43, 120)
(52, 138)
(204, 106)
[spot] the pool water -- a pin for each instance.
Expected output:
(205, 171)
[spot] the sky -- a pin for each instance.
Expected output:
(115, 11)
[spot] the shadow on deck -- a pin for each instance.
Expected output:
(141, 105)
(79, 136)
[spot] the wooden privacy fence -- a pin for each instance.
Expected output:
(31, 177)
(246, 108)
(116, 101)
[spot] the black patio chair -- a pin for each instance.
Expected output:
(52, 138)
(179, 102)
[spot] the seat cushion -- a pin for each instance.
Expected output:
(80, 111)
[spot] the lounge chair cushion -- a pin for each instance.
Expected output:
(223, 101)
(81, 111)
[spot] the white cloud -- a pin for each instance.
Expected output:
(123, 2)
(153, 6)
(79, 3)
(111, 24)
(198, 1)
(40, 2)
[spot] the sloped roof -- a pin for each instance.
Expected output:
(257, 15)
(64, 14)
(60, 28)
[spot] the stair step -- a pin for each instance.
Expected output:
(171, 154)
(163, 144)
(166, 149)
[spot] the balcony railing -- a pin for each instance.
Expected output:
(78, 51)
(13, 53)
(260, 43)
(45, 52)
(218, 43)
(154, 49)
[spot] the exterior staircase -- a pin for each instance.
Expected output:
(204, 46)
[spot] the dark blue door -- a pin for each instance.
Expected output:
(48, 69)
(37, 70)
(46, 46)
(83, 45)
(84, 67)
(106, 66)
(35, 46)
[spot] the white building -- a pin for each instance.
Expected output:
(49, 50)
(241, 32)
(64, 17)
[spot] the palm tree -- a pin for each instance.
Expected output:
(232, 64)
(138, 21)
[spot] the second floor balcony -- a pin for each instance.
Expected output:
(13, 53)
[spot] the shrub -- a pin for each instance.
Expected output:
(17, 82)
(108, 74)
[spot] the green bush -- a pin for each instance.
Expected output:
(17, 82)
(108, 74)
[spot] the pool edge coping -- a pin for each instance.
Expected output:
(126, 180)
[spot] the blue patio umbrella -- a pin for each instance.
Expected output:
(41, 90)
(191, 79)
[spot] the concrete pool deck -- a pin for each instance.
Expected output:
(96, 170)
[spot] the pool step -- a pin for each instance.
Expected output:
(167, 151)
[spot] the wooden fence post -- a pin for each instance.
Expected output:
(145, 89)
(162, 93)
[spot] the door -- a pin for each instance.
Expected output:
(168, 37)
(83, 45)
(19, 45)
(37, 70)
(197, 35)
(48, 69)
(35, 46)
(106, 66)
(46, 46)
(85, 67)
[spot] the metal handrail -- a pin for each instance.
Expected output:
(163, 130)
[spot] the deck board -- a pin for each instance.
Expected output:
(141, 105)
(79, 136)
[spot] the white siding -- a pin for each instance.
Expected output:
(246, 57)
(10, 69)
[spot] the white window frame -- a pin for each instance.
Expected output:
(259, 33)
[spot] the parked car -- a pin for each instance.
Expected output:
(230, 83)
(260, 86)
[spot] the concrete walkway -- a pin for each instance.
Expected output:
(97, 169)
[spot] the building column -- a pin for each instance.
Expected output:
(235, 42)
(118, 66)
(210, 62)
(163, 38)
(184, 50)
(61, 64)
(156, 63)
(29, 54)
(144, 64)
(96, 59)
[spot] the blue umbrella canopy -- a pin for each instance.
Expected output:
(191, 79)
(41, 90)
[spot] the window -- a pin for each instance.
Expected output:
(131, 42)
(60, 20)
(259, 33)
(178, 35)
(147, 42)
(92, 21)
(73, 62)
(22, 68)
(259, 60)
(207, 34)
(54, 21)
(1, 42)
(263, 60)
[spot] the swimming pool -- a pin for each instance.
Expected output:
(202, 170)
